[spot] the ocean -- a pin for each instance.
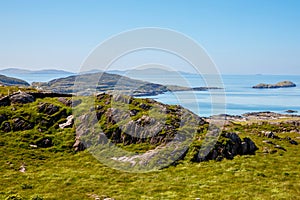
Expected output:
(238, 96)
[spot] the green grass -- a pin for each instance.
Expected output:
(5, 90)
(77, 176)
(58, 172)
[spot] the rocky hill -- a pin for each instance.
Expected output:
(282, 84)
(86, 84)
(101, 82)
(146, 122)
(48, 139)
(10, 81)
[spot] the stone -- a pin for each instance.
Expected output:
(267, 141)
(45, 143)
(293, 142)
(291, 111)
(69, 102)
(20, 124)
(279, 147)
(2, 118)
(21, 98)
(270, 134)
(6, 127)
(230, 148)
(22, 168)
(69, 123)
(78, 146)
(48, 109)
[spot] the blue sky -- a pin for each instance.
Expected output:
(242, 37)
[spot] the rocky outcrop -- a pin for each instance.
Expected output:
(68, 123)
(28, 97)
(48, 108)
(20, 124)
(69, 102)
(22, 98)
(228, 146)
(282, 84)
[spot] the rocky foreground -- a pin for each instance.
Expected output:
(126, 121)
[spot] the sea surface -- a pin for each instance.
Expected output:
(238, 96)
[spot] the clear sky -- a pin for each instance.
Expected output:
(242, 37)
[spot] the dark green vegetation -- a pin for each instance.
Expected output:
(10, 81)
(53, 170)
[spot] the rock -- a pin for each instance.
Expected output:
(48, 108)
(2, 118)
(251, 147)
(267, 141)
(68, 123)
(229, 148)
(69, 102)
(21, 125)
(45, 143)
(282, 84)
(265, 150)
(22, 168)
(293, 142)
(78, 146)
(291, 111)
(279, 147)
(6, 127)
(65, 101)
(270, 134)
(21, 97)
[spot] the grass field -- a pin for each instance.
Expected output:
(58, 172)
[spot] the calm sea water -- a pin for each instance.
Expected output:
(238, 96)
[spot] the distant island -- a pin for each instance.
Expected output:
(10, 81)
(282, 84)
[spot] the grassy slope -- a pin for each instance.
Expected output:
(59, 173)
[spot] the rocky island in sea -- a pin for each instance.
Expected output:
(282, 84)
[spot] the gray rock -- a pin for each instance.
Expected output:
(21, 124)
(279, 147)
(2, 118)
(45, 143)
(22, 98)
(267, 141)
(68, 123)
(270, 134)
(48, 109)
(6, 127)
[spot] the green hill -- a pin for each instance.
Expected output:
(10, 81)
(44, 155)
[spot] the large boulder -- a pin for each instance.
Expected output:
(228, 146)
(22, 98)
(68, 123)
(48, 108)
(20, 124)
